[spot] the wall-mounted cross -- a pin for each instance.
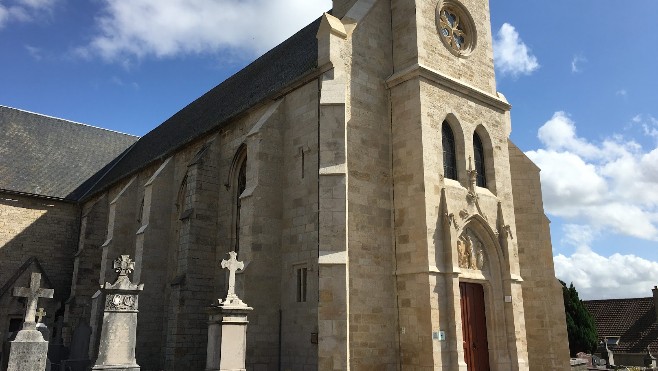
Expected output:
(33, 293)
(40, 314)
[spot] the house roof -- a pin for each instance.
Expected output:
(265, 78)
(633, 320)
(50, 157)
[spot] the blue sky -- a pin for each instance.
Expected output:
(581, 77)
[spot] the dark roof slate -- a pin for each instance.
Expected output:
(264, 78)
(51, 157)
(634, 320)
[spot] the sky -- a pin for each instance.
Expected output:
(582, 78)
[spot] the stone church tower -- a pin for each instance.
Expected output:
(363, 172)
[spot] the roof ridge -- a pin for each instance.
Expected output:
(646, 297)
(69, 121)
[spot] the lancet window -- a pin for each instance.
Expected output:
(478, 149)
(449, 153)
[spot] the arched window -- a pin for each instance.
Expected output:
(241, 183)
(478, 149)
(449, 153)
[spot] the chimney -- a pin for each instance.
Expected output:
(655, 300)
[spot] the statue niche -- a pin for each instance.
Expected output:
(470, 251)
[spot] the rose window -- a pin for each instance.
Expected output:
(456, 27)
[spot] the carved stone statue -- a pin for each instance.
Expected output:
(470, 252)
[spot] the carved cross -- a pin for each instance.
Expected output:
(123, 265)
(40, 314)
(33, 293)
(233, 265)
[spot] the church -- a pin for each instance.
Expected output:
(363, 172)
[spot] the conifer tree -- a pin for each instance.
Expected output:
(580, 324)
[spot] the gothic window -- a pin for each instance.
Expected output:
(241, 186)
(449, 153)
(478, 149)
(140, 213)
(181, 198)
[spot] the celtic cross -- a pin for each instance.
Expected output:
(32, 293)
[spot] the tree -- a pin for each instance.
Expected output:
(580, 324)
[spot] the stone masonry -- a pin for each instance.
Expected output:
(332, 191)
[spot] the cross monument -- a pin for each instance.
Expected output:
(33, 293)
(124, 265)
(233, 265)
(227, 326)
(40, 314)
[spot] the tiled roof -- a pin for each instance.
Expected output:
(263, 79)
(51, 157)
(634, 320)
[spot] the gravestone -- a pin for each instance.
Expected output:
(649, 359)
(29, 351)
(227, 326)
(116, 350)
(57, 351)
(79, 353)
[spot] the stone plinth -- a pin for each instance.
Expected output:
(28, 352)
(227, 338)
(119, 333)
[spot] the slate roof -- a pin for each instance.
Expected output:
(51, 157)
(634, 320)
(265, 78)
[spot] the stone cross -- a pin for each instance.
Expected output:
(40, 314)
(233, 265)
(32, 293)
(124, 265)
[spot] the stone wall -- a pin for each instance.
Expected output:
(372, 308)
(41, 228)
(546, 327)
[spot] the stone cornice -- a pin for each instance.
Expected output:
(417, 70)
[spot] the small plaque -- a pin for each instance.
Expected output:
(508, 299)
(439, 335)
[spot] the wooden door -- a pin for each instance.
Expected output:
(474, 327)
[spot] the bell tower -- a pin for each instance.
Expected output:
(450, 37)
(451, 179)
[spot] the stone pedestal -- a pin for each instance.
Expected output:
(28, 352)
(116, 350)
(227, 338)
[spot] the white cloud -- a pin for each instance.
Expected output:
(24, 10)
(576, 62)
(37, 4)
(34, 52)
(511, 55)
(4, 15)
(649, 124)
(119, 82)
(600, 277)
(622, 93)
(153, 28)
(608, 186)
